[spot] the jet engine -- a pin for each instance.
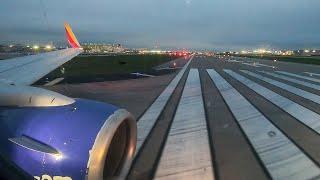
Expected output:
(51, 136)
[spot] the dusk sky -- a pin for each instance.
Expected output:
(209, 24)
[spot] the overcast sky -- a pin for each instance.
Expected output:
(209, 24)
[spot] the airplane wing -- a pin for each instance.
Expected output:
(28, 69)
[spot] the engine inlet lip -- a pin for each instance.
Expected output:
(103, 140)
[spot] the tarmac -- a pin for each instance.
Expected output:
(220, 118)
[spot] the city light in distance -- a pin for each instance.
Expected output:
(48, 47)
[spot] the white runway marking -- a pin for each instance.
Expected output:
(312, 74)
(255, 64)
(168, 68)
(251, 64)
(186, 154)
(148, 119)
(235, 61)
(259, 64)
(280, 156)
(299, 76)
(307, 95)
(142, 74)
(302, 114)
(304, 83)
(53, 82)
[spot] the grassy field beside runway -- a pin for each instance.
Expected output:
(295, 59)
(99, 68)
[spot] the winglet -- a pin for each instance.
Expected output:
(71, 37)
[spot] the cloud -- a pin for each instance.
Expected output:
(206, 24)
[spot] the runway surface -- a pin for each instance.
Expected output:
(234, 118)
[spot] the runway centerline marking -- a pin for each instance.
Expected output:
(148, 119)
(299, 76)
(258, 65)
(302, 114)
(186, 154)
(281, 157)
(302, 93)
(304, 83)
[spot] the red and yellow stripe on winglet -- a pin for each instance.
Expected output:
(71, 37)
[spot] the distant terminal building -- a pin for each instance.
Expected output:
(284, 52)
(94, 48)
(304, 52)
(15, 50)
(307, 52)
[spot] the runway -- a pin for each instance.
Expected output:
(218, 119)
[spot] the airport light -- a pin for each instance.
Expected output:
(244, 52)
(48, 47)
(287, 53)
(35, 47)
(306, 51)
(262, 51)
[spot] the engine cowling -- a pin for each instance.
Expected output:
(82, 140)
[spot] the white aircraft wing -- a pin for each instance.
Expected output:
(28, 69)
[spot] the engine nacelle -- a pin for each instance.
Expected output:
(82, 140)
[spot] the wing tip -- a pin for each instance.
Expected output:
(71, 38)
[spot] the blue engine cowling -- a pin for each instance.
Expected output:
(94, 140)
